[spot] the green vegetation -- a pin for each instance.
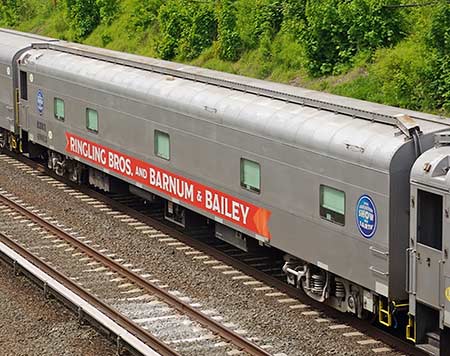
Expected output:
(376, 50)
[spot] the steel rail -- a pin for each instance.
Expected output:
(206, 321)
(143, 335)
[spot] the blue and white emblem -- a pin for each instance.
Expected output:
(40, 101)
(366, 216)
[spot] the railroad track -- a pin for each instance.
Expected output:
(132, 208)
(158, 318)
(259, 265)
(260, 259)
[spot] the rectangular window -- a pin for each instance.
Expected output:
(59, 109)
(92, 120)
(250, 175)
(332, 204)
(23, 85)
(429, 219)
(162, 144)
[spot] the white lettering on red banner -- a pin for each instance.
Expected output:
(222, 205)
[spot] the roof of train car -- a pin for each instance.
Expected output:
(357, 140)
(372, 144)
(12, 42)
(432, 168)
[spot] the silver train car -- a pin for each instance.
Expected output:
(355, 194)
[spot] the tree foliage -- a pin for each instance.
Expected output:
(8, 12)
(187, 28)
(360, 48)
(258, 18)
(145, 13)
(84, 17)
(108, 10)
(14, 11)
(337, 30)
(438, 40)
(229, 40)
(294, 16)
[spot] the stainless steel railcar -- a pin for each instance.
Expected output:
(325, 179)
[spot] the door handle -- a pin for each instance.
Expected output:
(428, 261)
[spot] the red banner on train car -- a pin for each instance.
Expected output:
(222, 205)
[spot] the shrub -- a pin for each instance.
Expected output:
(403, 76)
(294, 18)
(336, 30)
(229, 41)
(108, 10)
(145, 13)
(438, 40)
(12, 12)
(257, 18)
(186, 29)
(84, 16)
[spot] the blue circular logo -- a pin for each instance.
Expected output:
(366, 216)
(40, 101)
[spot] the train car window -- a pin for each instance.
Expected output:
(92, 120)
(250, 175)
(59, 109)
(23, 85)
(332, 204)
(429, 219)
(162, 144)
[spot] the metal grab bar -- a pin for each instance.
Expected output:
(373, 249)
(408, 270)
(441, 291)
(373, 269)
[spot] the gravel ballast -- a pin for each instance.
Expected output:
(34, 326)
(288, 331)
(161, 320)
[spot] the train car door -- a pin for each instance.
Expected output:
(23, 93)
(431, 214)
(6, 100)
